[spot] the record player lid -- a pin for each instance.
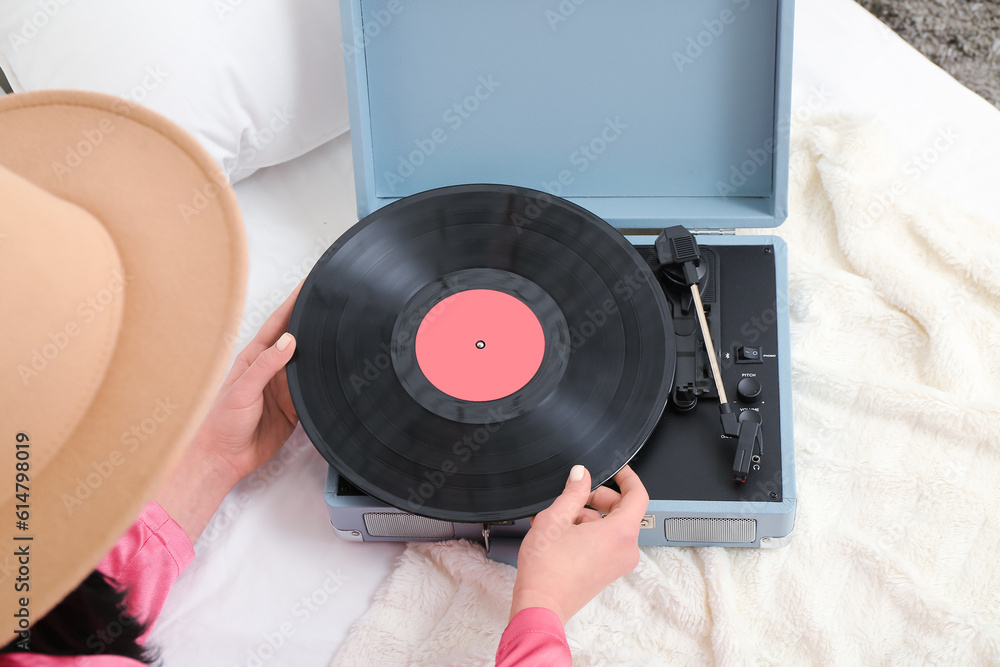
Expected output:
(648, 113)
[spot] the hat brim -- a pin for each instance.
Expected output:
(178, 230)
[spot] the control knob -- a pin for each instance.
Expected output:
(748, 390)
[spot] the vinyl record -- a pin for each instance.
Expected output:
(460, 349)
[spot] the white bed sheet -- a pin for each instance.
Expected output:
(271, 584)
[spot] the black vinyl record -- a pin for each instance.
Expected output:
(460, 349)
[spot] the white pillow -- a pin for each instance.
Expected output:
(258, 83)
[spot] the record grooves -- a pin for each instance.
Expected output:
(557, 325)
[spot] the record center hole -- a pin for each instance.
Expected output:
(480, 344)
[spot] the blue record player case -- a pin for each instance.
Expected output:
(649, 113)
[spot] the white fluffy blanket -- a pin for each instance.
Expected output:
(895, 320)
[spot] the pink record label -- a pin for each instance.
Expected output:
(480, 345)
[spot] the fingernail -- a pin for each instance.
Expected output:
(283, 342)
(576, 473)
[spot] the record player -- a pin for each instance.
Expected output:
(649, 115)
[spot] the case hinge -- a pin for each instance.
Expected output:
(713, 232)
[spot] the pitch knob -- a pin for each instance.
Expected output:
(748, 390)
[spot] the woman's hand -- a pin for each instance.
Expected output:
(252, 415)
(249, 420)
(571, 553)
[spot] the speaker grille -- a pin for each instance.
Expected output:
(404, 524)
(710, 530)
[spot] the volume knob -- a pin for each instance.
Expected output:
(748, 390)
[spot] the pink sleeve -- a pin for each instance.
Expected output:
(147, 560)
(535, 636)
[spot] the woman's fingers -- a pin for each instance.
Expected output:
(267, 364)
(277, 323)
(268, 334)
(567, 506)
(635, 500)
(587, 515)
(604, 499)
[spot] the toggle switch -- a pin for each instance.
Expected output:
(748, 355)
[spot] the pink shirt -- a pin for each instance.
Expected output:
(147, 559)
(535, 636)
(155, 550)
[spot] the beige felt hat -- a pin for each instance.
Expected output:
(122, 276)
